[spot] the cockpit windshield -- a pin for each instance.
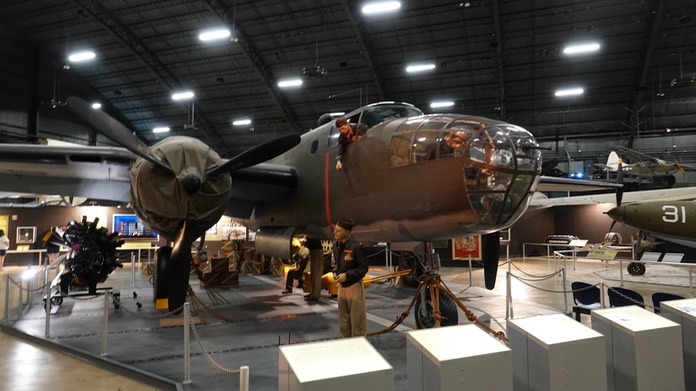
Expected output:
(377, 114)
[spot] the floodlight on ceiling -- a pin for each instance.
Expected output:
(96, 105)
(581, 48)
(214, 35)
(287, 83)
(241, 122)
(380, 7)
(416, 68)
(337, 113)
(82, 56)
(184, 95)
(569, 92)
(441, 103)
(160, 129)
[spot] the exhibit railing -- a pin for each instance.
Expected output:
(537, 282)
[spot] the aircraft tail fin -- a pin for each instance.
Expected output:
(613, 161)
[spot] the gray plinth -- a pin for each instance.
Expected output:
(457, 358)
(643, 349)
(683, 312)
(339, 365)
(554, 352)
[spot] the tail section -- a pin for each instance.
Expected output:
(612, 163)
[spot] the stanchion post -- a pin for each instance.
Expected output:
(21, 293)
(105, 322)
(565, 288)
(471, 273)
(47, 307)
(601, 294)
(244, 378)
(508, 297)
(187, 358)
(133, 267)
(7, 296)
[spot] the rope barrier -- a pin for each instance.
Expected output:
(208, 357)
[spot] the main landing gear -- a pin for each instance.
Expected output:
(435, 304)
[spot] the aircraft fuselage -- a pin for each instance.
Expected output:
(668, 220)
(397, 189)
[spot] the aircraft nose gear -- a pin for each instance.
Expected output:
(636, 269)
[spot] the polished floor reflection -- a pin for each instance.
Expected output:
(536, 289)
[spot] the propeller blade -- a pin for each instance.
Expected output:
(680, 168)
(619, 180)
(115, 130)
(257, 154)
(611, 227)
(490, 244)
(179, 267)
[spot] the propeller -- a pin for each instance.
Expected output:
(619, 180)
(204, 187)
(115, 130)
(257, 154)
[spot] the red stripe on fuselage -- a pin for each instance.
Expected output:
(326, 191)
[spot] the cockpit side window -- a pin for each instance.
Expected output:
(400, 148)
(333, 135)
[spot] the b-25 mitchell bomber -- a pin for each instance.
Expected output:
(410, 177)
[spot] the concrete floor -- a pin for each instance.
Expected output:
(258, 318)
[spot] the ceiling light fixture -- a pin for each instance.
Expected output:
(184, 95)
(581, 48)
(380, 7)
(289, 83)
(415, 68)
(569, 92)
(337, 113)
(82, 56)
(96, 105)
(441, 103)
(242, 122)
(161, 129)
(214, 35)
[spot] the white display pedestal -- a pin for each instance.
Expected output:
(683, 312)
(346, 364)
(457, 358)
(643, 349)
(554, 352)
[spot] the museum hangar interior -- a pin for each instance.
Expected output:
(281, 65)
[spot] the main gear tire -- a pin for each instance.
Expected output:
(424, 311)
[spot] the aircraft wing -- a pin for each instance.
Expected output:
(673, 194)
(104, 173)
(93, 172)
(555, 184)
(634, 155)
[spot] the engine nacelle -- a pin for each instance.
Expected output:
(275, 241)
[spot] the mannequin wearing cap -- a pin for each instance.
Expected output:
(346, 137)
(349, 270)
(300, 256)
